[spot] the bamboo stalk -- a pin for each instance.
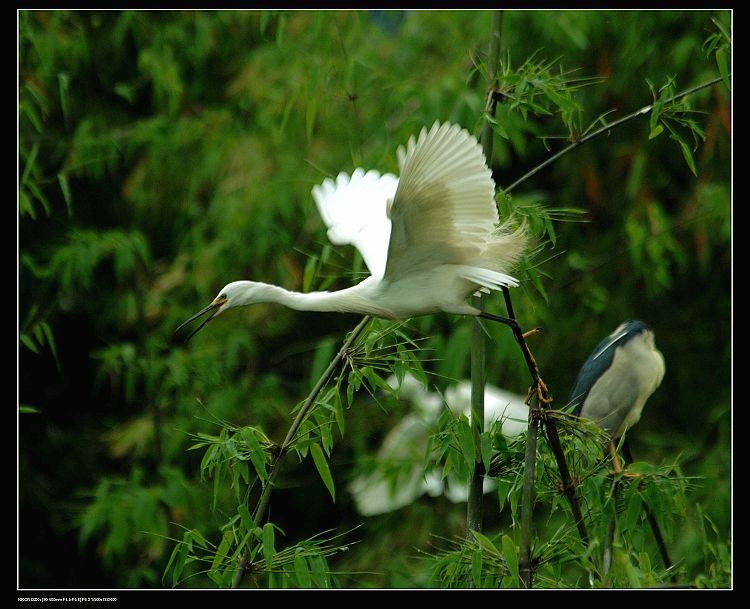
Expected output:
(478, 338)
(265, 497)
(539, 389)
(478, 380)
(525, 564)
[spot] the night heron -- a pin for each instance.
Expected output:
(617, 379)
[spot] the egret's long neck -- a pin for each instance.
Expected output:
(350, 300)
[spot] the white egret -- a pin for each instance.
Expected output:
(429, 238)
(399, 478)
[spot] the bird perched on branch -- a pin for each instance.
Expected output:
(429, 238)
(617, 379)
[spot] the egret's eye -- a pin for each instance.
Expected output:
(223, 296)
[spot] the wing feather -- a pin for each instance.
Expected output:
(444, 210)
(354, 210)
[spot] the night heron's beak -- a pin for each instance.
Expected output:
(215, 306)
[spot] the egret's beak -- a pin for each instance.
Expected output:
(215, 306)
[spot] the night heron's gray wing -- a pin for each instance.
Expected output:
(593, 368)
(613, 395)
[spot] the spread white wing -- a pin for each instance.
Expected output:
(444, 209)
(354, 210)
(440, 211)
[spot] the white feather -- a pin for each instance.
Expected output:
(354, 210)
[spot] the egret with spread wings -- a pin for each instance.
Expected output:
(429, 238)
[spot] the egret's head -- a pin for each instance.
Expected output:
(235, 294)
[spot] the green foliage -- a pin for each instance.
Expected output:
(162, 154)
(719, 44)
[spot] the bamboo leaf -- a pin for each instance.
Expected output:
(268, 539)
(476, 568)
(722, 62)
(182, 554)
(256, 453)
(634, 508)
(28, 342)
(62, 179)
(511, 558)
(486, 543)
(688, 155)
(486, 450)
(318, 570)
(222, 550)
(656, 131)
(322, 466)
(302, 571)
(466, 441)
(50, 339)
(245, 517)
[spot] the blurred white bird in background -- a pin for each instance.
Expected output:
(429, 238)
(398, 479)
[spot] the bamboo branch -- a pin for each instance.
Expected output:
(525, 562)
(265, 497)
(540, 396)
(605, 129)
(478, 339)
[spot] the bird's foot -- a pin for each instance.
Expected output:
(539, 388)
(508, 321)
(616, 463)
(542, 392)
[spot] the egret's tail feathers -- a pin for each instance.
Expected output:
(486, 278)
(504, 248)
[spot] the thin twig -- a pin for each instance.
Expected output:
(598, 132)
(265, 497)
